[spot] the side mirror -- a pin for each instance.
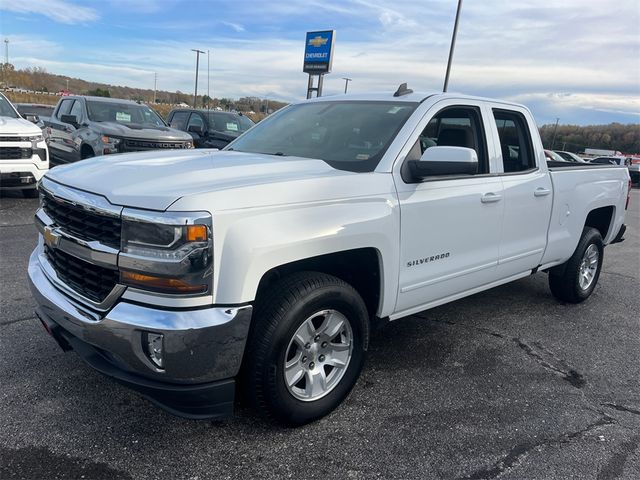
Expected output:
(195, 129)
(436, 161)
(70, 119)
(32, 118)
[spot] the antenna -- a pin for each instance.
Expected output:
(453, 46)
(402, 90)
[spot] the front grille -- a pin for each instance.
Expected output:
(89, 280)
(83, 223)
(132, 145)
(14, 139)
(15, 153)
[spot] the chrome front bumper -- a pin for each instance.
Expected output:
(200, 345)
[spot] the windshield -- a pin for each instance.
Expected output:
(229, 122)
(6, 110)
(124, 113)
(349, 135)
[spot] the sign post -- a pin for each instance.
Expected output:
(318, 58)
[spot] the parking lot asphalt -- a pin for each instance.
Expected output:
(507, 384)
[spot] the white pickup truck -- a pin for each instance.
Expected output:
(24, 157)
(181, 273)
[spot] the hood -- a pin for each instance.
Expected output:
(155, 180)
(144, 132)
(18, 126)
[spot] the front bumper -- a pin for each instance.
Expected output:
(18, 176)
(203, 347)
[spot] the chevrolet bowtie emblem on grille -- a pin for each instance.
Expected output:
(51, 238)
(318, 41)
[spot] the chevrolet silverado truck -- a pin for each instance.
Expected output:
(24, 158)
(85, 127)
(258, 271)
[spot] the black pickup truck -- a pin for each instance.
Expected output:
(83, 127)
(209, 128)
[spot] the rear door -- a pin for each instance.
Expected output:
(528, 192)
(450, 225)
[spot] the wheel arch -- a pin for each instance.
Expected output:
(361, 268)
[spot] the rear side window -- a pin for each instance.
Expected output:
(515, 141)
(179, 120)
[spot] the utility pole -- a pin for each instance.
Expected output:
(155, 84)
(553, 142)
(346, 83)
(208, 70)
(453, 46)
(6, 60)
(195, 92)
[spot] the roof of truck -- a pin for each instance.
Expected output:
(415, 97)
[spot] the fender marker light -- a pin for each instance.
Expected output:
(161, 284)
(196, 233)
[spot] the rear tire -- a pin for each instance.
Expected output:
(575, 281)
(306, 348)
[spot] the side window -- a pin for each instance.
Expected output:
(65, 106)
(454, 127)
(179, 120)
(76, 110)
(195, 119)
(515, 141)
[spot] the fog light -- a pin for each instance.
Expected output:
(153, 344)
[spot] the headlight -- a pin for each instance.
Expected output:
(36, 138)
(168, 253)
(111, 140)
(188, 145)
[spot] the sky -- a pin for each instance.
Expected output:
(578, 61)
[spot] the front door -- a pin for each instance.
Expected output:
(450, 226)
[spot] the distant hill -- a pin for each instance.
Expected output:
(575, 138)
(37, 79)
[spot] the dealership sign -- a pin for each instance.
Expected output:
(318, 52)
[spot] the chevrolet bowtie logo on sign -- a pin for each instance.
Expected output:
(318, 52)
(318, 41)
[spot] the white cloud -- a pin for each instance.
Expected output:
(520, 50)
(235, 26)
(60, 11)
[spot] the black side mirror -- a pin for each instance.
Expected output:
(195, 129)
(436, 161)
(70, 119)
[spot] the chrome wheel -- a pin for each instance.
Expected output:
(318, 355)
(588, 267)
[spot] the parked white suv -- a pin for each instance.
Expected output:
(24, 157)
(181, 272)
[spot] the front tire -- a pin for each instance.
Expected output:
(577, 279)
(307, 347)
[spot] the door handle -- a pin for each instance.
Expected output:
(491, 197)
(541, 192)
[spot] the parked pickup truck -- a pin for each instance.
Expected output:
(24, 158)
(84, 127)
(267, 263)
(209, 128)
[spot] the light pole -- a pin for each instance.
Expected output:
(195, 92)
(553, 141)
(208, 70)
(155, 86)
(346, 83)
(453, 45)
